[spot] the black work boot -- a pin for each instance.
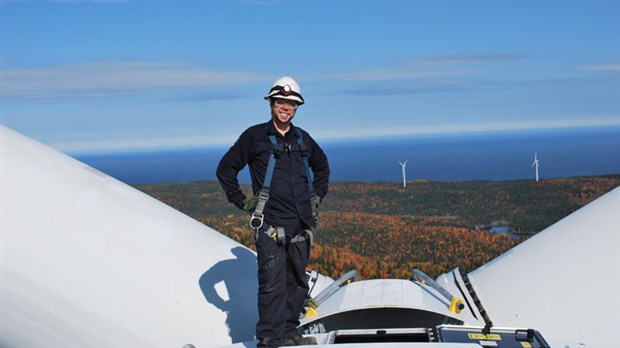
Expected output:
(299, 340)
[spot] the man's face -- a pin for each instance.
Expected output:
(283, 110)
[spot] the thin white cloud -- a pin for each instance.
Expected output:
(464, 59)
(469, 127)
(394, 74)
(434, 67)
(112, 78)
(115, 143)
(139, 141)
(602, 67)
(99, 79)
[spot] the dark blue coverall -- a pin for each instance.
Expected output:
(282, 282)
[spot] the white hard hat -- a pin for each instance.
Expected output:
(286, 88)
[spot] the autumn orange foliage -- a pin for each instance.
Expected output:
(384, 231)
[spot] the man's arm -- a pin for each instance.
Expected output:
(230, 165)
(320, 168)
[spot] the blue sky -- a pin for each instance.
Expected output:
(111, 75)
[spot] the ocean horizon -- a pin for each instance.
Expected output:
(495, 156)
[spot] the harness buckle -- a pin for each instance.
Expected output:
(278, 149)
(275, 233)
(263, 195)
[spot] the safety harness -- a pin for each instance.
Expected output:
(257, 217)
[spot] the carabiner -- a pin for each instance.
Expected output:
(256, 222)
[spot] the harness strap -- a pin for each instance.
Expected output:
(271, 164)
(275, 233)
(302, 237)
(257, 218)
(278, 235)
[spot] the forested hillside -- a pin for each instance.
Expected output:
(385, 230)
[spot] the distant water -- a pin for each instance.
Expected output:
(462, 157)
(503, 230)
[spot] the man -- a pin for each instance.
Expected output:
(280, 157)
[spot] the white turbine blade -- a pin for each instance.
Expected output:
(105, 265)
(548, 259)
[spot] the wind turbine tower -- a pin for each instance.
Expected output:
(404, 165)
(536, 164)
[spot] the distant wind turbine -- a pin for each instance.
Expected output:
(404, 165)
(536, 163)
